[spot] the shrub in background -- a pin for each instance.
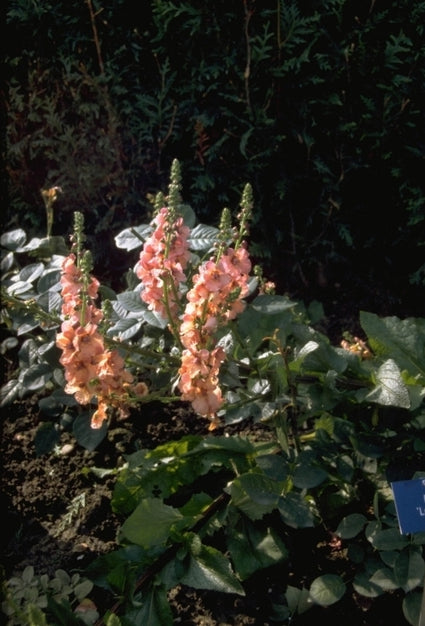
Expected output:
(317, 104)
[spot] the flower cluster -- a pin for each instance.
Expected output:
(162, 262)
(357, 346)
(214, 299)
(91, 370)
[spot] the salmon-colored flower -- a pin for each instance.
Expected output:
(162, 263)
(214, 299)
(92, 371)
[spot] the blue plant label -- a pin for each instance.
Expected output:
(409, 497)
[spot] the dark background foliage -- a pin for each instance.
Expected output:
(319, 105)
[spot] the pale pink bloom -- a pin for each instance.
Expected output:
(207, 402)
(213, 276)
(215, 298)
(236, 262)
(91, 371)
(161, 265)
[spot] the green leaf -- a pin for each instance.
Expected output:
(274, 466)
(188, 214)
(131, 301)
(6, 263)
(49, 280)
(46, 246)
(272, 305)
(31, 272)
(409, 570)
(87, 436)
(255, 494)
(384, 578)
(125, 328)
(412, 603)
(9, 392)
(154, 319)
(50, 301)
(36, 616)
(210, 569)
(323, 358)
(21, 287)
(161, 472)
(402, 340)
(113, 620)
(83, 589)
(24, 323)
(155, 609)
(202, 237)
(351, 525)
(46, 438)
(388, 539)
(327, 589)
(299, 600)
(150, 523)
(261, 319)
(133, 237)
(295, 511)
(253, 548)
(307, 474)
(390, 389)
(13, 239)
(301, 354)
(36, 376)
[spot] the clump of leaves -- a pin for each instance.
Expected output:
(31, 599)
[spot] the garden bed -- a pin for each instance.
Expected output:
(56, 515)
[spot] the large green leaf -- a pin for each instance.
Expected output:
(351, 525)
(202, 237)
(36, 376)
(133, 237)
(131, 301)
(31, 272)
(87, 436)
(150, 523)
(263, 317)
(10, 391)
(160, 472)
(365, 587)
(298, 600)
(307, 473)
(388, 539)
(402, 340)
(46, 438)
(253, 548)
(318, 355)
(412, 604)
(384, 578)
(409, 569)
(13, 239)
(272, 305)
(389, 389)
(155, 610)
(327, 589)
(209, 569)
(125, 328)
(255, 494)
(295, 511)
